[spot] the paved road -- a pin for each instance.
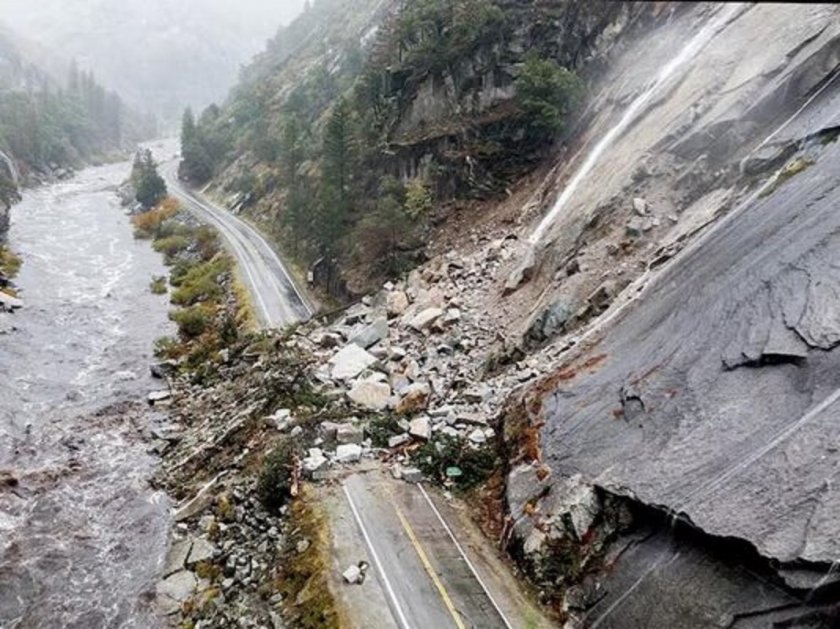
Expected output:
(277, 301)
(424, 572)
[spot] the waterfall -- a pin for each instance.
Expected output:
(689, 52)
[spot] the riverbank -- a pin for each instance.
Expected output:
(10, 302)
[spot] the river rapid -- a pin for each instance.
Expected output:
(82, 535)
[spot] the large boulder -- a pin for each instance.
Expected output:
(372, 334)
(350, 362)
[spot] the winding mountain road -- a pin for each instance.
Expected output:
(277, 301)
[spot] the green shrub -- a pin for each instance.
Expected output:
(158, 285)
(274, 486)
(198, 282)
(171, 246)
(476, 463)
(10, 263)
(381, 428)
(546, 92)
(167, 347)
(192, 321)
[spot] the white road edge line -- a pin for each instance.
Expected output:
(402, 620)
(252, 230)
(466, 559)
(240, 253)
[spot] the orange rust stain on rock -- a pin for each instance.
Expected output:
(595, 361)
(566, 374)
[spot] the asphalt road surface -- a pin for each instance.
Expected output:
(277, 301)
(427, 578)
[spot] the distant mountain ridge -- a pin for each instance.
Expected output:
(159, 55)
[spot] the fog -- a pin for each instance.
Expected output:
(161, 55)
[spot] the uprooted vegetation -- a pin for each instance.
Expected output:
(453, 462)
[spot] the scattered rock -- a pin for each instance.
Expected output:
(280, 420)
(415, 396)
(412, 475)
(178, 586)
(156, 397)
(315, 461)
(9, 303)
(372, 334)
(424, 319)
(397, 440)
(176, 558)
(348, 453)
(350, 362)
(550, 321)
(523, 272)
(420, 427)
(202, 550)
(202, 500)
(453, 316)
(370, 394)
(476, 394)
(348, 433)
(163, 369)
(396, 303)
(635, 227)
(640, 206)
(602, 297)
(477, 436)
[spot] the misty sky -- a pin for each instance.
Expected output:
(161, 55)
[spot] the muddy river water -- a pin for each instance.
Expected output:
(82, 535)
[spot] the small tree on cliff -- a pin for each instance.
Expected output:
(546, 92)
(149, 186)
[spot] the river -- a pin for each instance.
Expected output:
(82, 535)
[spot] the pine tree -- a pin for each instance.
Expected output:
(195, 163)
(336, 200)
(150, 188)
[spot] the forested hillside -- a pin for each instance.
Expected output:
(366, 125)
(48, 125)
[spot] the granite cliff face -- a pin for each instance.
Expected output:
(686, 438)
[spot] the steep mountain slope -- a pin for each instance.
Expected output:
(386, 119)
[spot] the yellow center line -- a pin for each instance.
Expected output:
(429, 569)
